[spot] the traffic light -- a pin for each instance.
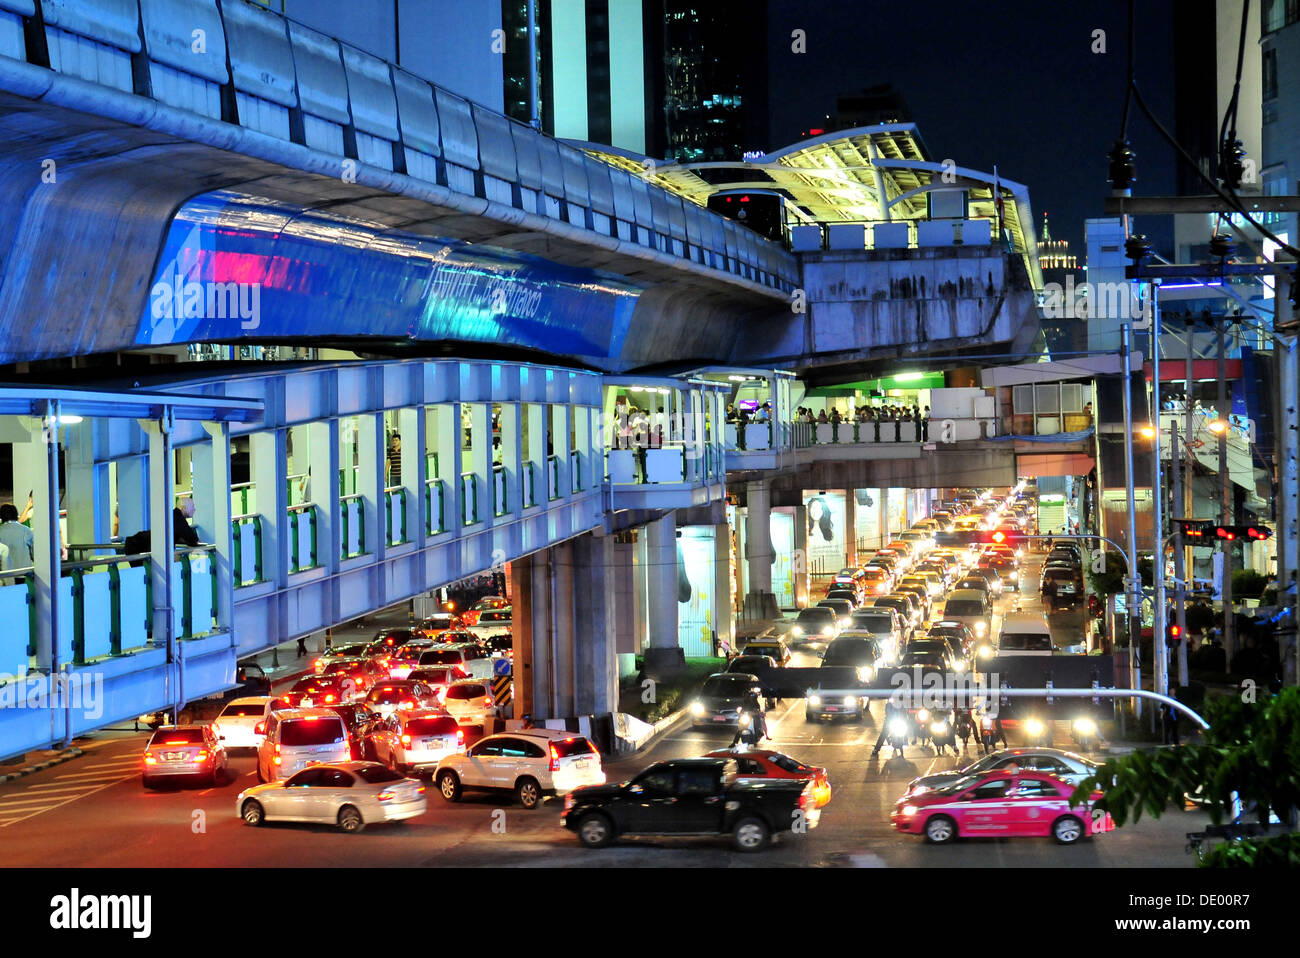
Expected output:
(1195, 528)
(1258, 532)
(1232, 533)
(1226, 532)
(1173, 634)
(999, 536)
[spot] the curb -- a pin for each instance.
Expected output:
(64, 756)
(658, 729)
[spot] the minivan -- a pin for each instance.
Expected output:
(973, 608)
(296, 738)
(1025, 634)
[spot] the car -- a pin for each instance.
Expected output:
(849, 577)
(922, 594)
(183, 751)
(348, 794)
(1005, 568)
(698, 796)
(316, 690)
(1002, 805)
(1025, 633)
(877, 580)
(852, 596)
(532, 763)
(358, 720)
(402, 660)
(250, 679)
(889, 561)
(923, 540)
(239, 722)
(362, 673)
(841, 607)
(469, 701)
(834, 695)
(974, 583)
(972, 608)
(885, 625)
(991, 578)
(500, 646)
(349, 651)
(858, 650)
(1059, 587)
(816, 624)
(1067, 766)
(915, 608)
(299, 737)
(402, 695)
(438, 677)
(755, 765)
(770, 645)
(752, 664)
(957, 634)
(488, 603)
(903, 608)
(415, 740)
(928, 659)
(492, 622)
(468, 657)
(722, 697)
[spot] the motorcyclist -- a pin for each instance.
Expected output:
(943, 733)
(755, 729)
(892, 712)
(964, 727)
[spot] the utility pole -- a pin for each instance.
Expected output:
(1134, 597)
(1225, 499)
(1180, 568)
(1159, 651)
(534, 118)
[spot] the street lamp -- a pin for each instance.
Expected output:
(1218, 427)
(1147, 432)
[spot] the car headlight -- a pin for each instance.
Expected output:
(797, 630)
(828, 630)
(850, 700)
(866, 673)
(897, 727)
(923, 715)
(986, 651)
(909, 810)
(959, 666)
(1015, 575)
(1034, 727)
(845, 623)
(980, 628)
(814, 700)
(1085, 726)
(939, 728)
(697, 709)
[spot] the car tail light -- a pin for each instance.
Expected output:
(420, 790)
(202, 756)
(149, 759)
(259, 728)
(387, 796)
(329, 698)
(460, 736)
(555, 758)
(487, 700)
(406, 740)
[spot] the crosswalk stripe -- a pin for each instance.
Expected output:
(99, 774)
(129, 760)
(71, 786)
(60, 801)
(19, 806)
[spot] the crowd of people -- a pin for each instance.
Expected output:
(873, 415)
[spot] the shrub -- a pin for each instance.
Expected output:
(1248, 584)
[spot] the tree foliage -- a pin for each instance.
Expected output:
(1252, 748)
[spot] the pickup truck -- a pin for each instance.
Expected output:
(691, 797)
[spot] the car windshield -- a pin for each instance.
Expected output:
(963, 607)
(441, 657)
(818, 615)
(311, 731)
(177, 736)
(876, 623)
(503, 616)
(437, 676)
(960, 785)
(572, 746)
(744, 663)
(727, 685)
(787, 764)
(390, 693)
(1026, 642)
(849, 650)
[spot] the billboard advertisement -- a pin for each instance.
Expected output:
(695, 578)
(826, 532)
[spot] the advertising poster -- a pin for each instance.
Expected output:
(867, 517)
(782, 568)
(695, 590)
(897, 511)
(826, 531)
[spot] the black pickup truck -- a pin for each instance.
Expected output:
(691, 797)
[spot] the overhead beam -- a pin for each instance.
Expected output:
(1119, 205)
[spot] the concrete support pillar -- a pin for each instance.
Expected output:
(723, 619)
(759, 553)
(664, 656)
(162, 545)
(36, 468)
(86, 496)
(799, 565)
(850, 527)
(524, 603)
(623, 574)
(410, 426)
(269, 470)
(132, 503)
(595, 632)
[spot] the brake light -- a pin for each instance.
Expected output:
(201, 757)
(406, 740)
(387, 796)
(329, 698)
(555, 758)
(259, 728)
(460, 736)
(149, 759)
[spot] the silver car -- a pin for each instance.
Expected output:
(1067, 766)
(350, 795)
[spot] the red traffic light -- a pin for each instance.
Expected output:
(999, 536)
(1258, 532)
(1225, 532)
(1175, 634)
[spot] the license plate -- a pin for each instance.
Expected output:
(832, 708)
(582, 763)
(174, 757)
(307, 703)
(719, 718)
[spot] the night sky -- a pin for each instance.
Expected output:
(1010, 82)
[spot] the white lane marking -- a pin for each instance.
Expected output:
(102, 774)
(128, 760)
(70, 787)
(70, 799)
(16, 804)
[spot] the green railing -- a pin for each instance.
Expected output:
(302, 537)
(246, 551)
(295, 487)
(197, 605)
(352, 525)
(530, 484)
(395, 503)
(435, 518)
(500, 491)
(468, 499)
(242, 499)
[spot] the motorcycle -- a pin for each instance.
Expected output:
(943, 733)
(1084, 733)
(1038, 733)
(898, 730)
(964, 727)
(990, 733)
(920, 731)
(748, 731)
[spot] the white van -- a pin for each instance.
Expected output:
(242, 722)
(1024, 633)
(296, 738)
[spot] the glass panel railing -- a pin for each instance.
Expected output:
(530, 484)
(431, 464)
(552, 478)
(194, 597)
(105, 603)
(435, 507)
(302, 537)
(348, 480)
(296, 489)
(242, 499)
(395, 513)
(352, 526)
(246, 549)
(500, 496)
(575, 469)
(18, 609)
(468, 499)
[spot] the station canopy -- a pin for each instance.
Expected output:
(840, 177)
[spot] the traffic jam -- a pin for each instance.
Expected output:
(376, 725)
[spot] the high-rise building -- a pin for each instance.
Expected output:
(671, 79)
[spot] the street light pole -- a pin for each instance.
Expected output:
(1180, 565)
(1134, 594)
(1160, 652)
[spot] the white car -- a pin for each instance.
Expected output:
(415, 740)
(531, 763)
(493, 622)
(472, 660)
(469, 701)
(350, 795)
(242, 723)
(297, 738)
